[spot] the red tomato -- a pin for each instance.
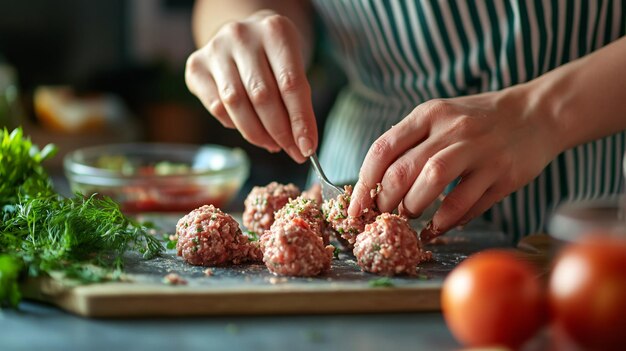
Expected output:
(493, 298)
(587, 292)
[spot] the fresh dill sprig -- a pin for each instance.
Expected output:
(41, 232)
(21, 170)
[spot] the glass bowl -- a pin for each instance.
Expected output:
(573, 220)
(158, 177)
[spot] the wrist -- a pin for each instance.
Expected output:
(545, 106)
(532, 115)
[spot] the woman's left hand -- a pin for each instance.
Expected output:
(494, 143)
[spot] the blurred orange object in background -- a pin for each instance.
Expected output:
(60, 109)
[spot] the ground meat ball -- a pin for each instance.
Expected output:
(307, 210)
(336, 214)
(262, 202)
(389, 246)
(314, 193)
(209, 237)
(292, 248)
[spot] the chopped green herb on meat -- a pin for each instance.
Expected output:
(252, 236)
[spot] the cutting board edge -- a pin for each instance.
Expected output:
(180, 303)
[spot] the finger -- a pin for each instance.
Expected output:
(402, 173)
(360, 198)
(266, 101)
(235, 100)
(383, 152)
(460, 200)
(214, 104)
(201, 83)
(429, 233)
(289, 71)
(403, 212)
(489, 198)
(439, 171)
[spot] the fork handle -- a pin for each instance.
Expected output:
(318, 168)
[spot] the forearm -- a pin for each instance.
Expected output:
(210, 15)
(583, 100)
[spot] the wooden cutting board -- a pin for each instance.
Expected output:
(251, 289)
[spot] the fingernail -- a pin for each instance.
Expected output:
(355, 206)
(306, 146)
(403, 211)
(406, 213)
(429, 232)
(354, 209)
(273, 150)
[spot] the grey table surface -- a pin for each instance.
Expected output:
(39, 327)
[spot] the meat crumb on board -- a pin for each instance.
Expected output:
(174, 279)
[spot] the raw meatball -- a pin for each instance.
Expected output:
(292, 248)
(314, 193)
(307, 210)
(336, 214)
(262, 202)
(209, 237)
(389, 246)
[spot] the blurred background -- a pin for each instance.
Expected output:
(81, 73)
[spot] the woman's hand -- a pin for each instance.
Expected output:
(251, 76)
(494, 143)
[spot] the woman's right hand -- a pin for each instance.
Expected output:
(251, 76)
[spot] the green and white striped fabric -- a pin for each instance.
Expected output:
(398, 54)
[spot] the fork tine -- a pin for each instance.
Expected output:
(329, 190)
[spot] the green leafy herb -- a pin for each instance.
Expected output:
(252, 236)
(42, 232)
(52, 233)
(384, 282)
(21, 172)
(336, 252)
(170, 244)
(9, 271)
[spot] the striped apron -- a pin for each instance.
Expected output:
(398, 54)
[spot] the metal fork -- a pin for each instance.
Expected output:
(329, 190)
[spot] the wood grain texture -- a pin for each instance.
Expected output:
(251, 290)
(135, 300)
